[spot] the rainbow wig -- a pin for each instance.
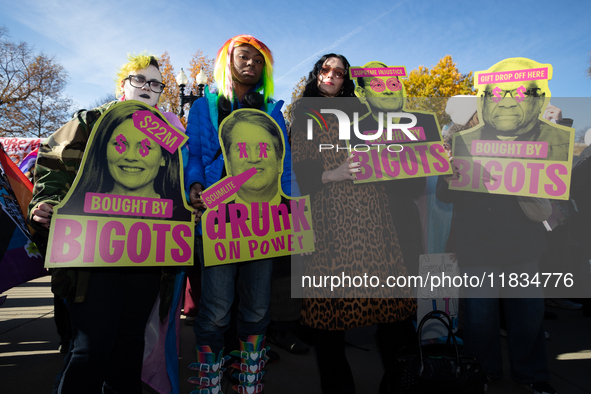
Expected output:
(222, 72)
(135, 63)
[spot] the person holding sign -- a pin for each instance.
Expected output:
(108, 307)
(356, 235)
(257, 132)
(495, 236)
(244, 75)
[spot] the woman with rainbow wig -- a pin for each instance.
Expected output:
(243, 73)
(108, 306)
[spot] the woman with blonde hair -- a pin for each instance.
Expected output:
(108, 307)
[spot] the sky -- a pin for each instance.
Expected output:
(91, 39)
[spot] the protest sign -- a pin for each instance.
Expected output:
(513, 150)
(248, 216)
(396, 143)
(18, 148)
(126, 206)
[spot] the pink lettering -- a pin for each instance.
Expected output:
(392, 168)
(252, 246)
(242, 147)
(238, 222)
(183, 252)
(161, 230)
(257, 228)
(551, 172)
(132, 242)
(90, 241)
(111, 252)
(516, 167)
(210, 225)
(65, 233)
(263, 146)
(298, 215)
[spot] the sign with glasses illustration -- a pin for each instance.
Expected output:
(513, 150)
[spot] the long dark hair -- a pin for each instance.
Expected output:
(96, 176)
(311, 89)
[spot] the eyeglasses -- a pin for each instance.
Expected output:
(378, 85)
(137, 81)
(337, 72)
(520, 94)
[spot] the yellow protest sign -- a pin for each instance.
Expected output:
(513, 150)
(396, 143)
(126, 206)
(248, 216)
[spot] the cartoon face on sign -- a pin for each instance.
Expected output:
(513, 94)
(513, 150)
(127, 205)
(136, 164)
(125, 159)
(380, 86)
(252, 139)
(133, 160)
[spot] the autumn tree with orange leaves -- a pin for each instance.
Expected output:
(429, 89)
(169, 99)
(199, 62)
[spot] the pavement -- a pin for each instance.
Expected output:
(29, 357)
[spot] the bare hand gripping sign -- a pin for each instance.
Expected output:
(513, 150)
(248, 216)
(127, 205)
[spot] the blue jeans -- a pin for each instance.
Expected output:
(527, 349)
(108, 332)
(252, 281)
(523, 316)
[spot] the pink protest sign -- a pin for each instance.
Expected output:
(531, 74)
(167, 137)
(225, 189)
(113, 204)
(512, 176)
(534, 149)
(360, 72)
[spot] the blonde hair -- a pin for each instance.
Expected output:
(135, 63)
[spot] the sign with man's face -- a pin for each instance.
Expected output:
(513, 150)
(248, 216)
(127, 205)
(506, 114)
(415, 150)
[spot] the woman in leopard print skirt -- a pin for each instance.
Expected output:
(354, 234)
